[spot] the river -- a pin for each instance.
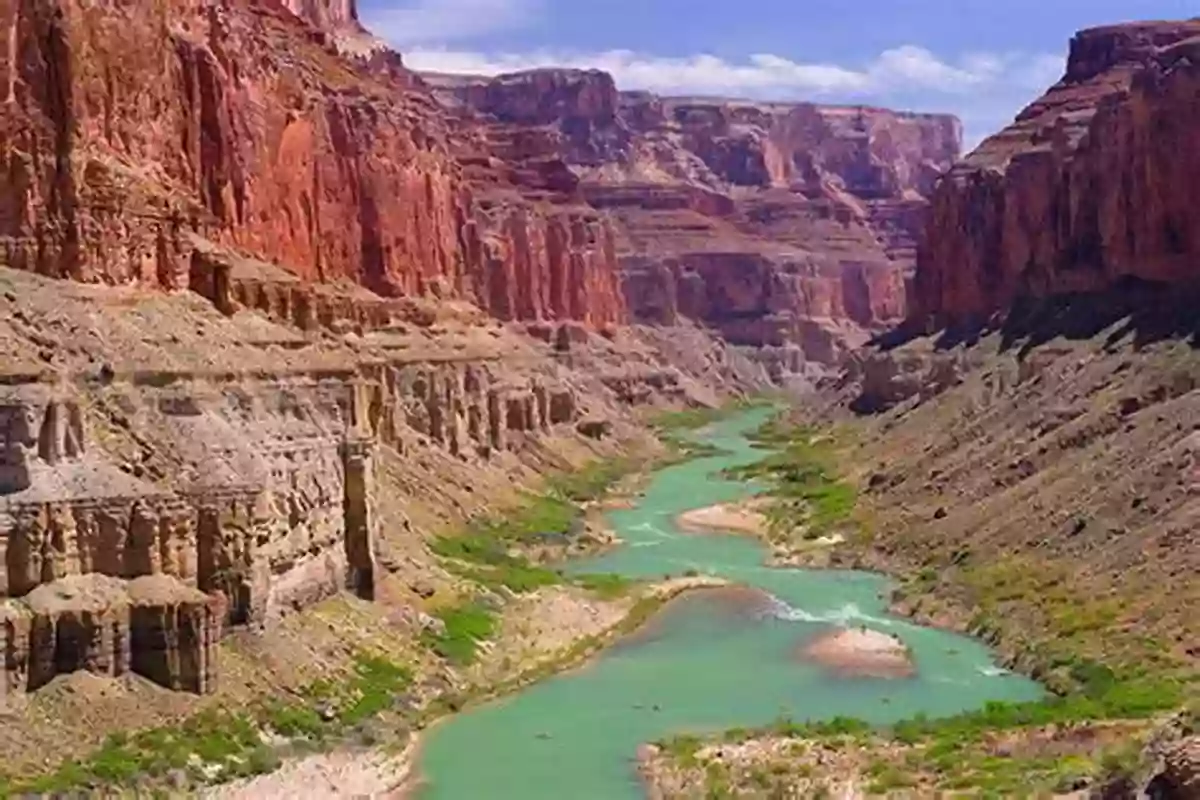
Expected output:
(709, 661)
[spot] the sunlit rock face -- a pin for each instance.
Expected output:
(1093, 183)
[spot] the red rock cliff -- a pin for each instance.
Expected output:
(130, 129)
(542, 245)
(782, 225)
(1097, 180)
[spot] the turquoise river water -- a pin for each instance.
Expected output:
(704, 663)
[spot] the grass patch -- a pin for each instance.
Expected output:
(488, 550)
(592, 482)
(957, 754)
(212, 746)
(689, 419)
(672, 427)
(218, 745)
(607, 586)
(1072, 641)
(466, 625)
(519, 575)
(374, 687)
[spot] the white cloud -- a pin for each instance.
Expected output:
(901, 70)
(984, 89)
(427, 22)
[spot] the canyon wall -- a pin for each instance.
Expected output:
(130, 131)
(790, 228)
(1094, 184)
(252, 281)
(247, 257)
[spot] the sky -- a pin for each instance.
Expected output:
(980, 59)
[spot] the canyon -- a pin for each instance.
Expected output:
(268, 324)
(788, 228)
(278, 161)
(277, 311)
(1023, 450)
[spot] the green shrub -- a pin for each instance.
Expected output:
(229, 744)
(487, 550)
(802, 482)
(608, 586)
(374, 687)
(466, 625)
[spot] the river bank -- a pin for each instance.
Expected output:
(684, 672)
(556, 627)
(577, 731)
(383, 772)
(1114, 697)
(325, 679)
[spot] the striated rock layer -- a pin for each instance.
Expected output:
(250, 278)
(1093, 184)
(168, 471)
(788, 227)
(131, 130)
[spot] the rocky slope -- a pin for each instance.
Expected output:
(1035, 482)
(788, 228)
(1093, 185)
(1038, 488)
(174, 478)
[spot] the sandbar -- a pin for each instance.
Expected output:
(860, 652)
(740, 517)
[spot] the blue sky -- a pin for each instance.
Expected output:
(980, 59)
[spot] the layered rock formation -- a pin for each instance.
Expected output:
(102, 566)
(328, 15)
(245, 260)
(169, 470)
(789, 228)
(131, 131)
(1093, 184)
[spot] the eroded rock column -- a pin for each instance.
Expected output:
(14, 651)
(173, 630)
(359, 517)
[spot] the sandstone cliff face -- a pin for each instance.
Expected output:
(789, 228)
(132, 126)
(546, 253)
(546, 263)
(1095, 182)
(129, 130)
